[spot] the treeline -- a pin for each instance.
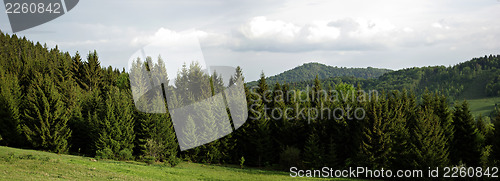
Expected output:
(309, 71)
(50, 100)
(476, 78)
(395, 132)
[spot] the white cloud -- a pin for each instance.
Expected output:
(261, 28)
(176, 38)
(262, 34)
(319, 31)
(83, 43)
(282, 34)
(372, 28)
(175, 48)
(440, 25)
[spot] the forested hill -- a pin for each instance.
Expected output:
(308, 71)
(53, 101)
(476, 78)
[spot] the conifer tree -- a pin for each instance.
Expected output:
(466, 143)
(263, 91)
(115, 130)
(190, 139)
(10, 114)
(496, 139)
(401, 135)
(92, 72)
(428, 141)
(441, 109)
(46, 117)
(158, 129)
(313, 153)
(256, 139)
(278, 120)
(376, 143)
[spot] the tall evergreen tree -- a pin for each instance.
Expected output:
(496, 139)
(428, 141)
(46, 117)
(401, 104)
(314, 156)
(256, 139)
(115, 130)
(92, 72)
(466, 142)
(10, 111)
(376, 143)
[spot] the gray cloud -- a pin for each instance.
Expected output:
(391, 33)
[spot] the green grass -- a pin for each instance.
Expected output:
(483, 106)
(20, 164)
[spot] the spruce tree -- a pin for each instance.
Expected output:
(376, 141)
(46, 117)
(401, 134)
(466, 143)
(10, 114)
(441, 109)
(92, 72)
(190, 139)
(428, 141)
(115, 129)
(256, 139)
(495, 155)
(313, 153)
(278, 121)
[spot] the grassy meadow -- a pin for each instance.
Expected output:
(20, 164)
(483, 106)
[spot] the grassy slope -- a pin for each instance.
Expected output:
(19, 164)
(483, 106)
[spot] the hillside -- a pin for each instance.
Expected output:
(476, 79)
(308, 71)
(61, 103)
(19, 164)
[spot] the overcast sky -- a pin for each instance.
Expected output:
(275, 35)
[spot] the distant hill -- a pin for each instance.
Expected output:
(473, 79)
(308, 71)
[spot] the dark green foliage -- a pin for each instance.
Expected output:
(46, 116)
(242, 162)
(466, 145)
(257, 143)
(155, 135)
(495, 155)
(476, 78)
(59, 102)
(309, 71)
(376, 147)
(10, 113)
(493, 87)
(290, 157)
(92, 72)
(313, 154)
(428, 141)
(149, 159)
(115, 129)
(125, 154)
(105, 153)
(174, 161)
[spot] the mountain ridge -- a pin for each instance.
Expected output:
(308, 71)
